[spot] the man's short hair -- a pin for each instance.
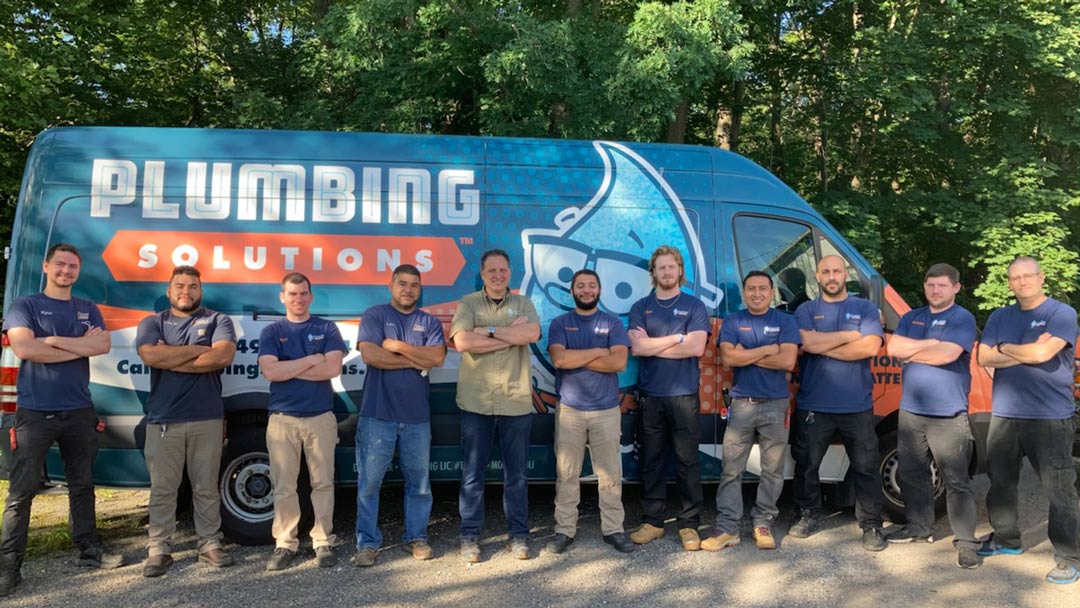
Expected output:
(295, 278)
(189, 271)
(757, 273)
(68, 247)
(406, 269)
(943, 270)
(1025, 258)
(587, 272)
(492, 252)
(667, 250)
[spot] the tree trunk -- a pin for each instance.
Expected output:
(729, 120)
(676, 129)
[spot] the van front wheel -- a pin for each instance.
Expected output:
(889, 468)
(247, 494)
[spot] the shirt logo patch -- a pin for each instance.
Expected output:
(417, 327)
(571, 328)
(82, 316)
(312, 337)
(680, 313)
(938, 322)
(46, 313)
(851, 317)
(771, 330)
(202, 332)
(202, 321)
(1038, 323)
(601, 331)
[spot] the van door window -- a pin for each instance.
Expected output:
(782, 248)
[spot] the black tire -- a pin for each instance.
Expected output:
(889, 467)
(247, 494)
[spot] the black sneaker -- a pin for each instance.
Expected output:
(559, 544)
(967, 559)
(902, 534)
(807, 525)
(281, 559)
(95, 556)
(873, 539)
(621, 542)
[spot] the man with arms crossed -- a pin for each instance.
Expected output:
(669, 330)
(1030, 345)
(185, 347)
(839, 335)
(54, 334)
(588, 348)
(492, 329)
(761, 344)
(299, 355)
(400, 344)
(935, 343)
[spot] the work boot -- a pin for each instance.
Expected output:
(325, 556)
(519, 548)
(96, 556)
(419, 549)
(646, 534)
(873, 539)
(720, 540)
(157, 565)
(216, 557)
(763, 537)
(280, 559)
(559, 544)
(364, 557)
(470, 551)
(689, 539)
(10, 575)
(621, 543)
(808, 523)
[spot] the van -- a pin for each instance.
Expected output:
(246, 207)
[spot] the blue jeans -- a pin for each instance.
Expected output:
(375, 442)
(477, 434)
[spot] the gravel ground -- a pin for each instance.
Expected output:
(828, 569)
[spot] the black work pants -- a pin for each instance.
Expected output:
(674, 420)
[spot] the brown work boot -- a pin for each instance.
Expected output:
(157, 565)
(216, 557)
(763, 538)
(720, 540)
(646, 534)
(689, 539)
(419, 549)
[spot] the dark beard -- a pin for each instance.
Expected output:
(190, 309)
(586, 305)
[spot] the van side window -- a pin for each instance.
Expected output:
(782, 248)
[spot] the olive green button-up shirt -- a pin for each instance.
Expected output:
(500, 382)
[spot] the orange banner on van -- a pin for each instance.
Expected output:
(256, 257)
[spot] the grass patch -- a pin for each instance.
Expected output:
(50, 530)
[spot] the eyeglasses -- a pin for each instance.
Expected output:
(1023, 277)
(554, 261)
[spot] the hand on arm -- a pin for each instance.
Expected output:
(693, 345)
(218, 356)
(518, 333)
(734, 355)
(864, 347)
(1034, 353)
(422, 357)
(783, 360)
(989, 356)
(612, 362)
(904, 348)
(276, 370)
(566, 358)
(164, 356)
(819, 342)
(29, 348)
(328, 369)
(94, 342)
(942, 353)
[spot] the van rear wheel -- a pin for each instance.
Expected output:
(247, 493)
(889, 468)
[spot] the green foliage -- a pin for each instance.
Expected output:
(925, 131)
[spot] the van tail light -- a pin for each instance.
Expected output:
(9, 374)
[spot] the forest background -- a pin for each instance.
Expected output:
(925, 131)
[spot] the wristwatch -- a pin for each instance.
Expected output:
(682, 338)
(491, 331)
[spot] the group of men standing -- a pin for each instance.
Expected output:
(1029, 344)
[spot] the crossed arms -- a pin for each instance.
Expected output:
(849, 345)
(605, 360)
(57, 349)
(477, 341)
(1007, 355)
(769, 356)
(929, 351)
(315, 367)
(667, 347)
(188, 359)
(395, 354)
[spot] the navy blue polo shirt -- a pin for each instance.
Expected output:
(290, 341)
(181, 396)
(582, 388)
(659, 377)
(398, 395)
(54, 387)
(751, 331)
(831, 385)
(1042, 391)
(938, 390)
